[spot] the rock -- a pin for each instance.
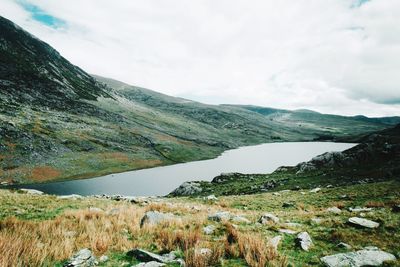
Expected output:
(288, 205)
(114, 211)
(365, 257)
(211, 198)
(287, 231)
(73, 196)
(150, 264)
(276, 194)
(220, 216)
(187, 189)
(290, 224)
(31, 191)
(94, 209)
(359, 209)
(343, 245)
(204, 251)
(304, 240)
(274, 242)
(363, 222)
(334, 210)
(155, 217)
(315, 190)
(240, 219)
(103, 258)
(209, 230)
(146, 256)
(316, 220)
(83, 258)
(268, 218)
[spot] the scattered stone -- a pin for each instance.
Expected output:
(287, 231)
(204, 251)
(268, 218)
(211, 198)
(155, 217)
(276, 194)
(274, 242)
(220, 216)
(304, 240)
(240, 219)
(344, 245)
(359, 209)
(150, 264)
(329, 186)
(315, 190)
(363, 222)
(366, 257)
(73, 197)
(209, 229)
(103, 259)
(83, 258)
(291, 224)
(334, 210)
(31, 191)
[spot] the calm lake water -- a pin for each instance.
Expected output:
(263, 158)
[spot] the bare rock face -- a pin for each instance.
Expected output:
(370, 256)
(83, 258)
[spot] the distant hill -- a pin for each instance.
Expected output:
(58, 122)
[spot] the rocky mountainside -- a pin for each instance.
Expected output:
(58, 122)
(376, 158)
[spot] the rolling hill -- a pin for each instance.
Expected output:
(59, 122)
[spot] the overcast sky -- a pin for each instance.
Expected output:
(332, 56)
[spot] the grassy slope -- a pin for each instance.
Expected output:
(45, 231)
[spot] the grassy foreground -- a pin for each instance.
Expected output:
(45, 230)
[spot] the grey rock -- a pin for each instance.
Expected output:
(209, 230)
(304, 240)
(83, 258)
(150, 264)
(156, 217)
(363, 222)
(211, 198)
(103, 258)
(365, 257)
(334, 210)
(94, 209)
(220, 216)
(316, 220)
(315, 190)
(146, 256)
(359, 209)
(274, 242)
(287, 231)
(204, 251)
(187, 189)
(268, 218)
(240, 219)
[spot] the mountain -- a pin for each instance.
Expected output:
(59, 122)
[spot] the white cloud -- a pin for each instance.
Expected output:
(326, 55)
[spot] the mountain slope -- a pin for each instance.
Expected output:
(58, 122)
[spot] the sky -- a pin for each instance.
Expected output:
(331, 56)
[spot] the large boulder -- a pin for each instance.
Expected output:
(83, 258)
(371, 256)
(146, 256)
(31, 191)
(156, 217)
(187, 189)
(363, 222)
(220, 216)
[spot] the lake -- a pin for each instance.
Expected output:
(264, 158)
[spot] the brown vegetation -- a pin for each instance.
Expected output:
(44, 173)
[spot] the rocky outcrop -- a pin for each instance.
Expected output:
(304, 240)
(220, 216)
(268, 218)
(152, 258)
(361, 222)
(187, 189)
(370, 256)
